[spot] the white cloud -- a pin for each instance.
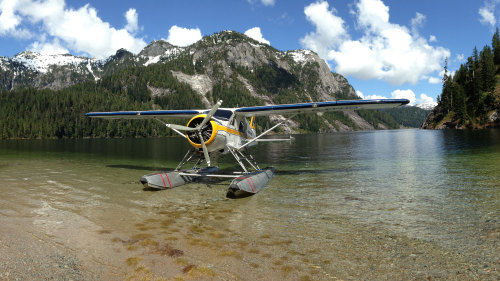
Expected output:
(264, 2)
(417, 22)
(256, 34)
(132, 21)
(48, 48)
(434, 80)
(329, 29)
(268, 2)
(487, 12)
(425, 99)
(369, 97)
(404, 94)
(432, 38)
(182, 37)
(386, 51)
(360, 94)
(375, 97)
(487, 16)
(9, 20)
(80, 30)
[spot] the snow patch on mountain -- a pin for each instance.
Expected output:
(168, 54)
(152, 60)
(89, 67)
(2, 66)
(42, 63)
(427, 105)
(300, 56)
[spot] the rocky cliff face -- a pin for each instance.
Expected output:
(432, 122)
(214, 59)
(224, 54)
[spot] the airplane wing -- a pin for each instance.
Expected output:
(149, 114)
(255, 110)
(319, 107)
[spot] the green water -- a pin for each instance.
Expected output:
(440, 188)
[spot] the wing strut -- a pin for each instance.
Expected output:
(171, 127)
(265, 133)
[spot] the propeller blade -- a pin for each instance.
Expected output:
(209, 115)
(205, 151)
(180, 127)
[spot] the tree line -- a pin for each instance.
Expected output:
(45, 113)
(469, 95)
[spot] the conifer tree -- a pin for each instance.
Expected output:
(487, 70)
(496, 47)
(476, 82)
(446, 99)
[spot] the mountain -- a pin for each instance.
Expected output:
(159, 50)
(409, 116)
(33, 70)
(427, 105)
(226, 65)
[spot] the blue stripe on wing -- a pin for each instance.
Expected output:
(324, 105)
(145, 114)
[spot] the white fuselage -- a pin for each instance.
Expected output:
(231, 132)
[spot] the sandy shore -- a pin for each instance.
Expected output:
(61, 245)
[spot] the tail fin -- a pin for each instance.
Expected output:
(252, 123)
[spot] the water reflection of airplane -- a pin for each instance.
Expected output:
(216, 131)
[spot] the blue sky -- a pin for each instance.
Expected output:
(385, 48)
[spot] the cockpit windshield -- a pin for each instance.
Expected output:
(223, 114)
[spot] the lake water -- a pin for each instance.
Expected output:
(402, 204)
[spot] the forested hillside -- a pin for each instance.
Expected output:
(471, 96)
(45, 113)
(226, 65)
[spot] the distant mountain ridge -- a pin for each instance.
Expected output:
(427, 105)
(33, 70)
(227, 65)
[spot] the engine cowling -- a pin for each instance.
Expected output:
(208, 132)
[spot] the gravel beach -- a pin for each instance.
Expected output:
(60, 245)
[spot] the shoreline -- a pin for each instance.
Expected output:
(177, 246)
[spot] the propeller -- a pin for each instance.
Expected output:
(180, 127)
(209, 115)
(198, 129)
(205, 150)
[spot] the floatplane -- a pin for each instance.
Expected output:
(219, 131)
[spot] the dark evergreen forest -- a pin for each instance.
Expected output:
(34, 113)
(471, 93)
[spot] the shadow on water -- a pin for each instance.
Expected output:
(137, 167)
(231, 170)
(151, 189)
(318, 171)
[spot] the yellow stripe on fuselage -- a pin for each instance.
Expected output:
(232, 131)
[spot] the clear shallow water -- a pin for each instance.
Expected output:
(438, 187)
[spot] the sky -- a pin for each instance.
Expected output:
(385, 48)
